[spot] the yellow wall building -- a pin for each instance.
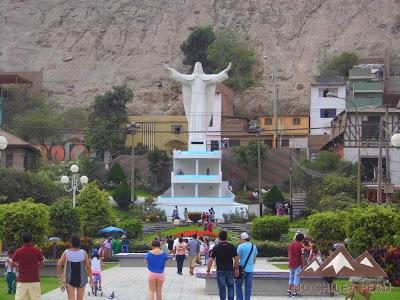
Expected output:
(162, 131)
(292, 126)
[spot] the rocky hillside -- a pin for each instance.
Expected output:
(84, 46)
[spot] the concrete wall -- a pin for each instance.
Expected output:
(184, 189)
(188, 166)
(212, 164)
(317, 103)
(208, 190)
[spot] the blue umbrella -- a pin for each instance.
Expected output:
(112, 229)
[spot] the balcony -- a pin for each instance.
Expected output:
(196, 178)
(180, 154)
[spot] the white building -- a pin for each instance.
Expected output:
(214, 129)
(324, 109)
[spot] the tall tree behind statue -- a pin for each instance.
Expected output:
(107, 114)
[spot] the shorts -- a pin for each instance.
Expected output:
(96, 276)
(156, 276)
(28, 290)
(294, 277)
(192, 261)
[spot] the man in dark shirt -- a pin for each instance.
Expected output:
(223, 253)
(28, 259)
(295, 253)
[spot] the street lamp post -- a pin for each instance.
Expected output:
(3, 144)
(331, 95)
(74, 182)
(132, 128)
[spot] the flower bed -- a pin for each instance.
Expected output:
(200, 233)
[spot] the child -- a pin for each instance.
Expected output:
(11, 273)
(96, 263)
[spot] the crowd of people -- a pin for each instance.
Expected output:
(234, 266)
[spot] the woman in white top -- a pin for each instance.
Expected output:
(77, 270)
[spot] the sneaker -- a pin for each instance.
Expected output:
(289, 293)
(296, 295)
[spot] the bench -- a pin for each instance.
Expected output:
(137, 260)
(270, 283)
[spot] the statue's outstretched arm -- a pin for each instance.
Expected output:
(221, 76)
(175, 75)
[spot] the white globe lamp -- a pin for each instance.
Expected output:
(84, 180)
(395, 140)
(3, 143)
(64, 179)
(74, 169)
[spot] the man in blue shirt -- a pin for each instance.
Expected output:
(246, 251)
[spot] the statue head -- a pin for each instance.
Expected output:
(198, 68)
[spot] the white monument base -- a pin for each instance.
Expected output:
(199, 204)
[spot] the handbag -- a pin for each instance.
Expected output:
(241, 268)
(63, 278)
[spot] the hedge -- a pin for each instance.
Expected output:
(133, 228)
(139, 246)
(327, 228)
(269, 227)
(271, 249)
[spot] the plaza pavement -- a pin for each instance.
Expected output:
(131, 284)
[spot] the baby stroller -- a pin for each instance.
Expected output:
(96, 274)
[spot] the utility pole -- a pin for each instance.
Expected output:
(259, 171)
(388, 180)
(290, 188)
(275, 95)
(358, 131)
(379, 190)
(132, 127)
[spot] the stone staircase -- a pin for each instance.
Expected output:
(150, 228)
(299, 203)
(237, 228)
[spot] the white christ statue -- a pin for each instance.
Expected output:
(198, 90)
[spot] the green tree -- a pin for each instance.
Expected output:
(39, 125)
(227, 48)
(340, 201)
(372, 226)
(15, 185)
(247, 157)
(64, 220)
(133, 228)
(158, 164)
(116, 174)
(24, 216)
(269, 227)
(95, 209)
(273, 196)
(76, 118)
(339, 64)
(107, 114)
(122, 195)
(195, 47)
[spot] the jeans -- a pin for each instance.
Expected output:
(225, 280)
(206, 258)
(179, 262)
(248, 283)
(294, 277)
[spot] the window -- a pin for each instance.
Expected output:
(214, 145)
(233, 143)
(328, 112)
(323, 92)
(268, 143)
(268, 121)
(9, 159)
(370, 128)
(211, 121)
(176, 129)
(296, 121)
(285, 143)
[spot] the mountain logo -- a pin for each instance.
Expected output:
(341, 264)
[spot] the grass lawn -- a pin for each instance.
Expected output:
(379, 295)
(282, 267)
(48, 284)
(110, 265)
(143, 193)
(120, 214)
(298, 223)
